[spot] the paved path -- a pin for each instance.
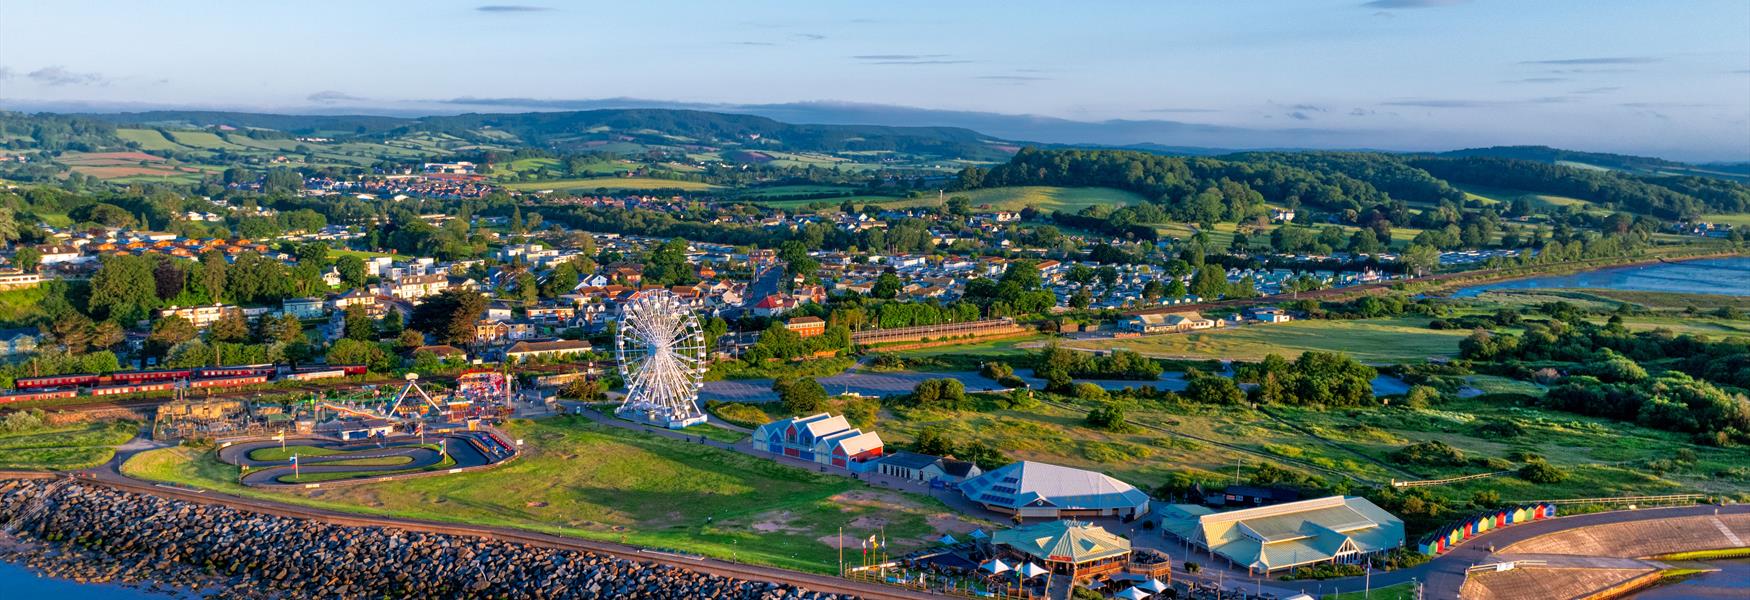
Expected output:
(893, 383)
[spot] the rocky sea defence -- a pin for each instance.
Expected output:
(83, 531)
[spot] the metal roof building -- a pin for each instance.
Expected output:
(1079, 550)
(1036, 489)
(1338, 529)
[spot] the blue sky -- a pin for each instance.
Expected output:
(1666, 78)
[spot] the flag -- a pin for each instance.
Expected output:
(872, 542)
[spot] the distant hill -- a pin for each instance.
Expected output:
(1638, 165)
(582, 130)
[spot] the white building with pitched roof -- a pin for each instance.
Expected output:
(1043, 490)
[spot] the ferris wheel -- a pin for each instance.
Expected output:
(662, 356)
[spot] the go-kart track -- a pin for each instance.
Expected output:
(364, 461)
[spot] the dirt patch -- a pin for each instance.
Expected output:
(779, 522)
(864, 499)
(867, 522)
(950, 523)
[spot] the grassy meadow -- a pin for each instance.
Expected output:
(70, 447)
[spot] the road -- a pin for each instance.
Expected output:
(895, 383)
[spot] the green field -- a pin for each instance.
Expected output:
(1374, 341)
(581, 479)
(278, 454)
(1737, 220)
(613, 183)
(1048, 198)
(64, 448)
(148, 139)
(1490, 195)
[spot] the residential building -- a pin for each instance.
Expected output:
(303, 308)
(22, 340)
(806, 327)
(926, 468)
(558, 348)
(200, 316)
(414, 287)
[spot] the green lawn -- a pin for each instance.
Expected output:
(1375, 341)
(1047, 198)
(204, 140)
(1402, 591)
(64, 448)
(581, 479)
(277, 454)
(613, 183)
(447, 463)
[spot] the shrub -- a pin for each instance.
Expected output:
(1110, 417)
(1431, 453)
(1542, 472)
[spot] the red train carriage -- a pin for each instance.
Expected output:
(350, 370)
(38, 395)
(133, 388)
(54, 381)
(229, 381)
(145, 376)
(235, 371)
(315, 374)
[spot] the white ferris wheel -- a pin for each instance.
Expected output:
(663, 359)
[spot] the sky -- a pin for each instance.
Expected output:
(1662, 78)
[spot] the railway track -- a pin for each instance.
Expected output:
(814, 582)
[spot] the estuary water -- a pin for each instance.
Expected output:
(1728, 276)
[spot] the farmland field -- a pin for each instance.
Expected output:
(148, 139)
(1375, 341)
(581, 479)
(1497, 195)
(612, 183)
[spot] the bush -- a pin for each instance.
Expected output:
(1542, 472)
(1110, 417)
(1499, 429)
(1432, 453)
(736, 413)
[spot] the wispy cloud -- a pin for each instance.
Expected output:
(1597, 90)
(1596, 60)
(1538, 80)
(1664, 105)
(1179, 110)
(512, 8)
(909, 59)
(61, 76)
(812, 37)
(1469, 103)
(1015, 78)
(1299, 116)
(6, 73)
(752, 43)
(331, 97)
(1401, 4)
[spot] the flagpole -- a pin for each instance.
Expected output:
(841, 551)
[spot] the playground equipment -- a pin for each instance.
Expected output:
(662, 356)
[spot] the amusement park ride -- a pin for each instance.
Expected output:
(663, 359)
(479, 394)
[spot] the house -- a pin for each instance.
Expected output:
(1036, 489)
(414, 287)
(1266, 539)
(1282, 215)
(22, 340)
(442, 351)
(200, 316)
(52, 255)
(806, 327)
(353, 297)
(1271, 315)
(774, 305)
(558, 348)
(303, 308)
(1166, 322)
